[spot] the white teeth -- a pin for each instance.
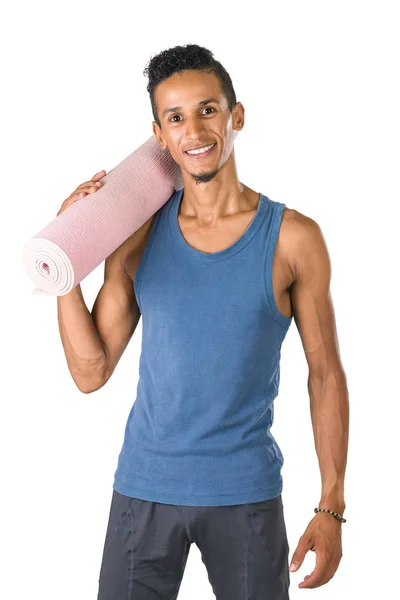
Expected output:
(200, 150)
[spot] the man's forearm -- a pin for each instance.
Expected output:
(329, 406)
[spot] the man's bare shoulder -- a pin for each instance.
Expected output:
(298, 228)
(129, 252)
(297, 224)
(132, 248)
(300, 236)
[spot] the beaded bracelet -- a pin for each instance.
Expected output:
(335, 514)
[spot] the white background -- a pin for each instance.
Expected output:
(320, 85)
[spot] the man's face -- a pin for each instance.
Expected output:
(194, 113)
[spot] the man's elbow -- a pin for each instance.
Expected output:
(332, 376)
(89, 391)
(88, 386)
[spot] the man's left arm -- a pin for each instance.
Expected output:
(327, 387)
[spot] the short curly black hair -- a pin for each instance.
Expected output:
(181, 58)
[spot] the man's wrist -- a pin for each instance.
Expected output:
(333, 500)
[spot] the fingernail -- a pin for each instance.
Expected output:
(292, 567)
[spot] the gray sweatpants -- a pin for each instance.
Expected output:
(244, 548)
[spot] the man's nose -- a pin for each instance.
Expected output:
(194, 128)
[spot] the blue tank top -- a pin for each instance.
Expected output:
(199, 431)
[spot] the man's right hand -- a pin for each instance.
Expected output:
(88, 187)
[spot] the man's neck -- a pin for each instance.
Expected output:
(224, 195)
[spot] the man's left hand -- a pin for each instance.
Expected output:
(324, 537)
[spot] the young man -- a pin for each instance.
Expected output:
(217, 275)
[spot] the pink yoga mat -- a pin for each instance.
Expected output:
(73, 244)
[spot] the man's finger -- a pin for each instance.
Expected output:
(298, 556)
(99, 174)
(320, 575)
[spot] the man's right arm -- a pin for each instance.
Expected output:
(95, 341)
(82, 345)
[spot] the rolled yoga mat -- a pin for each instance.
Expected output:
(71, 246)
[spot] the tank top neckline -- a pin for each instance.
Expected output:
(238, 245)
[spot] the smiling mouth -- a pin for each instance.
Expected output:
(197, 154)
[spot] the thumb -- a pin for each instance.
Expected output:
(98, 175)
(298, 556)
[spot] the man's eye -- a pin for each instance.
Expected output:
(206, 108)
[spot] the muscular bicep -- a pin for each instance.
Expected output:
(115, 311)
(311, 298)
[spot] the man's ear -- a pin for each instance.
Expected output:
(238, 116)
(159, 136)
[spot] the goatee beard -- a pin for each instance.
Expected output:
(205, 177)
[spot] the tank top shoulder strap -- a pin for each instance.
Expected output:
(147, 249)
(273, 228)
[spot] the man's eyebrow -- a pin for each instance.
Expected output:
(201, 103)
